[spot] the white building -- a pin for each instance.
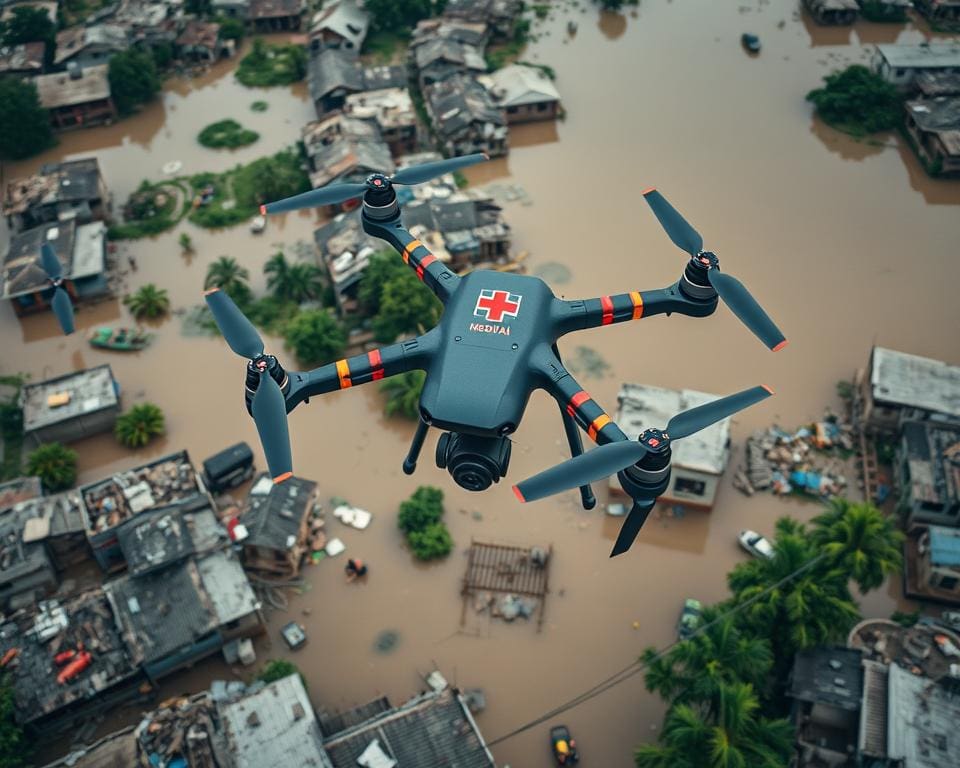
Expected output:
(900, 64)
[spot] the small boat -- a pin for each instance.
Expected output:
(258, 224)
(119, 339)
(571, 27)
(750, 42)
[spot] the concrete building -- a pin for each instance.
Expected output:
(342, 24)
(391, 109)
(85, 47)
(73, 189)
(895, 387)
(341, 148)
(934, 125)
(939, 10)
(431, 729)
(826, 686)
(277, 520)
(900, 64)
(932, 558)
(699, 461)
(24, 60)
(833, 12)
(70, 407)
(922, 717)
(524, 93)
(77, 99)
(465, 118)
(928, 473)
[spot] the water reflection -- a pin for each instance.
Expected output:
(846, 146)
(612, 24)
(821, 35)
(531, 134)
(934, 191)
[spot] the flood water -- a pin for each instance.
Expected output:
(846, 244)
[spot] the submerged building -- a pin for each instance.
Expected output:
(70, 407)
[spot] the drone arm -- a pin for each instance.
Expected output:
(580, 314)
(414, 253)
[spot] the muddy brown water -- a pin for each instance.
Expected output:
(845, 243)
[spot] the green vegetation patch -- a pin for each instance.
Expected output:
(268, 64)
(421, 521)
(857, 101)
(259, 106)
(501, 55)
(384, 46)
(152, 209)
(226, 134)
(11, 428)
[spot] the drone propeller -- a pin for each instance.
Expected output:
(732, 291)
(612, 458)
(631, 526)
(269, 407)
(339, 193)
(62, 306)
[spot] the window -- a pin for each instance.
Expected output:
(948, 582)
(691, 486)
(899, 72)
(542, 106)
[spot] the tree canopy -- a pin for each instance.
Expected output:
(133, 79)
(857, 100)
(14, 748)
(315, 337)
(24, 124)
(27, 24)
(403, 394)
(406, 306)
(396, 15)
(420, 519)
(226, 274)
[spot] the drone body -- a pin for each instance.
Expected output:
(494, 345)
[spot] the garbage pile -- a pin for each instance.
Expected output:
(507, 607)
(808, 462)
(181, 732)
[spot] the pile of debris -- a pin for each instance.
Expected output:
(181, 731)
(808, 462)
(507, 607)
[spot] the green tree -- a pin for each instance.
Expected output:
(293, 282)
(269, 179)
(382, 267)
(230, 28)
(398, 15)
(139, 425)
(727, 732)
(24, 124)
(403, 394)
(149, 301)
(722, 654)
(858, 101)
(186, 243)
(315, 337)
(277, 669)
(133, 79)
(14, 747)
(406, 306)
(199, 7)
(430, 543)
(424, 508)
(861, 540)
(277, 270)
(55, 465)
(226, 274)
(29, 25)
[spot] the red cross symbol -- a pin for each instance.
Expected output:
(495, 305)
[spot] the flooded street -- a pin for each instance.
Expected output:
(846, 244)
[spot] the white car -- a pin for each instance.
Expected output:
(755, 544)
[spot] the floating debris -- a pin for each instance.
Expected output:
(386, 641)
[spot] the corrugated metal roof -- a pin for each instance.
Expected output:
(921, 722)
(227, 586)
(921, 55)
(643, 406)
(919, 382)
(90, 391)
(519, 84)
(944, 546)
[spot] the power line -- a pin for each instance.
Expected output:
(640, 664)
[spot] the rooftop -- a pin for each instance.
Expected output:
(26, 57)
(22, 272)
(275, 725)
(922, 721)
(19, 560)
(60, 90)
(21, 489)
(340, 147)
(84, 392)
(271, 9)
(642, 406)
(936, 83)
(944, 546)
(442, 49)
(517, 85)
(186, 727)
(227, 585)
(72, 180)
(831, 676)
(344, 18)
(432, 729)
(169, 480)
(331, 69)
(390, 107)
(920, 55)
(940, 115)
(156, 539)
(460, 101)
(72, 40)
(913, 648)
(52, 516)
(918, 382)
(933, 459)
(86, 622)
(199, 33)
(273, 513)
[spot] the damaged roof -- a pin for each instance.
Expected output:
(460, 101)
(274, 512)
(227, 585)
(89, 391)
(60, 90)
(164, 536)
(941, 116)
(344, 18)
(25, 57)
(918, 382)
(831, 676)
(69, 181)
(22, 272)
(922, 721)
(20, 489)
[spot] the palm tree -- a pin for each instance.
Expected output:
(403, 394)
(306, 283)
(860, 539)
(186, 244)
(55, 465)
(139, 425)
(227, 275)
(149, 302)
(727, 733)
(694, 670)
(277, 270)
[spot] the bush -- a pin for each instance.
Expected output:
(420, 519)
(15, 748)
(259, 106)
(133, 79)
(857, 101)
(230, 28)
(269, 64)
(431, 543)
(226, 133)
(55, 465)
(315, 337)
(403, 394)
(277, 669)
(139, 425)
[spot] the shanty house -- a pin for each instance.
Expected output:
(524, 93)
(439, 57)
(70, 407)
(465, 118)
(928, 473)
(470, 226)
(85, 47)
(931, 85)
(939, 10)
(200, 41)
(81, 250)
(934, 125)
(277, 520)
(392, 111)
(78, 98)
(333, 74)
(171, 481)
(275, 725)
(73, 189)
(345, 250)
(938, 562)
(173, 617)
(274, 15)
(48, 695)
(153, 540)
(59, 522)
(341, 24)
(23, 60)
(341, 148)
(826, 686)
(497, 15)
(899, 64)
(699, 461)
(896, 386)
(833, 11)
(20, 489)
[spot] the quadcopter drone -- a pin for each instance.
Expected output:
(494, 345)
